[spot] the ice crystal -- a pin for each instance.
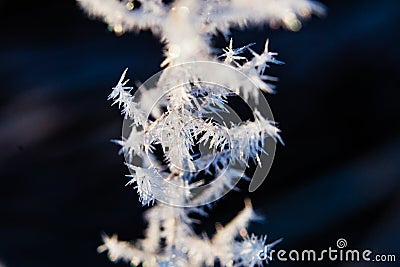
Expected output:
(187, 115)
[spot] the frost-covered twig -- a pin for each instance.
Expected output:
(185, 25)
(185, 248)
(188, 116)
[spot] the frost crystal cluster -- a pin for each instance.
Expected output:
(183, 112)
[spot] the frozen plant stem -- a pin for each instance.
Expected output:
(179, 123)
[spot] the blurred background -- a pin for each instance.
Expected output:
(62, 181)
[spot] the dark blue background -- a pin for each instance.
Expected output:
(62, 182)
